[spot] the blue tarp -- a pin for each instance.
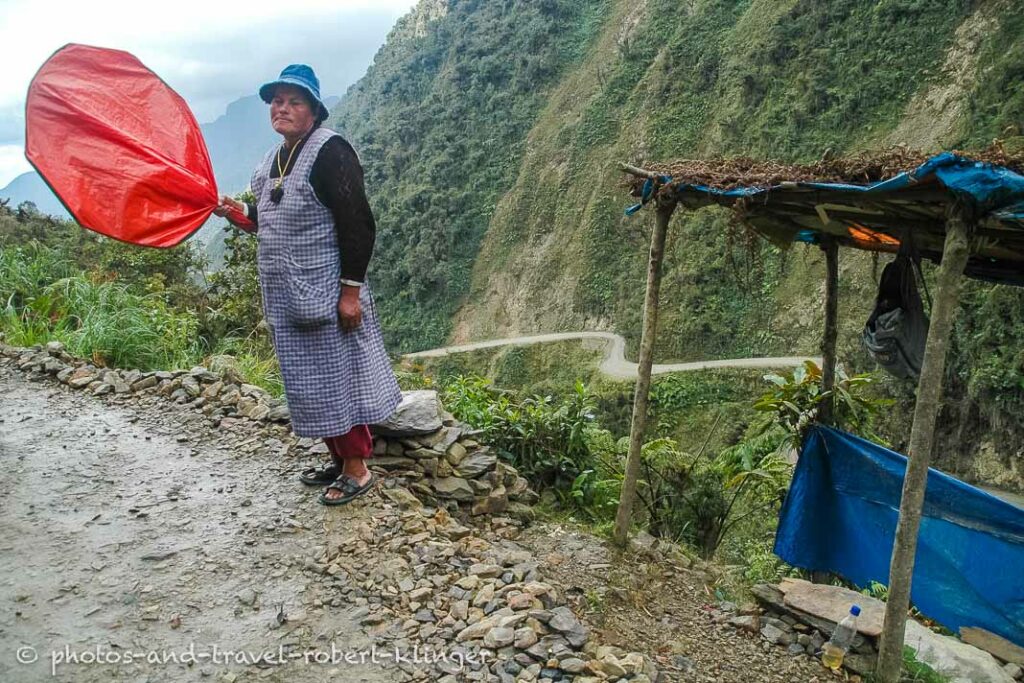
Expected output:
(840, 516)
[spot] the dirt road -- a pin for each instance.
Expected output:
(138, 533)
(123, 538)
(614, 363)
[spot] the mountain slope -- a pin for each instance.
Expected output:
(440, 122)
(29, 187)
(491, 134)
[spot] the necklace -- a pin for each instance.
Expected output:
(278, 191)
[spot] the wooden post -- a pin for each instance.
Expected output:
(828, 347)
(926, 409)
(828, 342)
(643, 380)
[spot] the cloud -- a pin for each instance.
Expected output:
(12, 163)
(210, 52)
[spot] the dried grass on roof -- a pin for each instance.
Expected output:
(861, 169)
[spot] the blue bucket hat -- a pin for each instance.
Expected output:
(302, 76)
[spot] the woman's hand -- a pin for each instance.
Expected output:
(226, 203)
(349, 308)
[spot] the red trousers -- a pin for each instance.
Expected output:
(357, 443)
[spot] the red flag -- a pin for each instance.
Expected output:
(119, 147)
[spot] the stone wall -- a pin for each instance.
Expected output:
(422, 446)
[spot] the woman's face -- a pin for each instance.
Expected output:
(291, 113)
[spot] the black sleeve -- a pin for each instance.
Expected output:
(251, 214)
(337, 179)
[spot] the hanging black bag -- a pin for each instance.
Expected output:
(897, 331)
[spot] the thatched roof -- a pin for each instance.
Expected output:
(859, 169)
(872, 202)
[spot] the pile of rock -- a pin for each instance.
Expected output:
(485, 605)
(800, 616)
(422, 446)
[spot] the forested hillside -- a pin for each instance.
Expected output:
(491, 133)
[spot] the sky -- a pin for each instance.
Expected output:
(211, 52)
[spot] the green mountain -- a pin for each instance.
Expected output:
(491, 134)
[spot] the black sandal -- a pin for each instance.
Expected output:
(348, 486)
(318, 476)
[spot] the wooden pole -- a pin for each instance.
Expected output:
(828, 347)
(643, 380)
(922, 434)
(828, 342)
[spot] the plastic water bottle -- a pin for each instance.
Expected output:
(835, 649)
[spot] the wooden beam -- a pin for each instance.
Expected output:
(641, 395)
(828, 343)
(922, 435)
(639, 172)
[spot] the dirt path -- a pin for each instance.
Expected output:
(614, 364)
(115, 527)
(136, 531)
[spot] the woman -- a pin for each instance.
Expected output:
(316, 235)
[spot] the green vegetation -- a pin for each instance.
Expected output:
(123, 306)
(543, 438)
(440, 121)
(501, 202)
(719, 493)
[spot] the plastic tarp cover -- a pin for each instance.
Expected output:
(840, 516)
(119, 147)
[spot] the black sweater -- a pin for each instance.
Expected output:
(337, 180)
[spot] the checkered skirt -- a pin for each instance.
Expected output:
(333, 380)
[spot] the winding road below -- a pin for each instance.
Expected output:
(614, 363)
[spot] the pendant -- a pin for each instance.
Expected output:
(276, 194)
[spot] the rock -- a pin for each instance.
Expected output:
(246, 405)
(486, 571)
(526, 638)
(403, 498)
(608, 665)
(833, 604)
(573, 665)
(860, 664)
(202, 374)
(499, 637)
(476, 464)
(417, 414)
(453, 487)
(993, 644)
(227, 367)
(279, 413)
(54, 347)
(390, 462)
(750, 623)
(475, 631)
(145, 383)
(494, 504)
(82, 377)
(769, 595)
(456, 453)
(644, 544)
(230, 395)
(421, 454)
(957, 661)
(565, 622)
(191, 386)
(775, 635)
(213, 390)
(247, 596)
(1014, 671)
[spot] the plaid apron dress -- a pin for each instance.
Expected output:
(333, 380)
